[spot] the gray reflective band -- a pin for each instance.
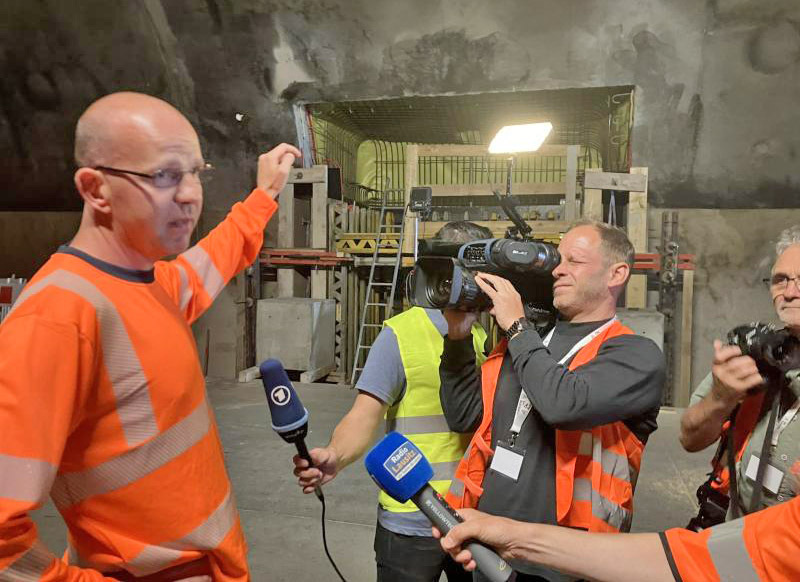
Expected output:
(185, 291)
(611, 462)
(205, 268)
(603, 509)
(206, 536)
(30, 566)
(729, 553)
(457, 487)
(71, 488)
(24, 479)
(408, 425)
(444, 471)
(122, 364)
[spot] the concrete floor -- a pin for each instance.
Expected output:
(283, 525)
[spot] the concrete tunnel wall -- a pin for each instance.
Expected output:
(716, 112)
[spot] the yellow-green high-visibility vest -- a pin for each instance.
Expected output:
(418, 415)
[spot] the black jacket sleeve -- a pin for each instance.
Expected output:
(460, 391)
(625, 380)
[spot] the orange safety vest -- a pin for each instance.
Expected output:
(746, 421)
(764, 545)
(596, 469)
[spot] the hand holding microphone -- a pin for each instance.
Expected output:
(399, 468)
(289, 416)
(323, 468)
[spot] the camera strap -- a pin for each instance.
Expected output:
(524, 403)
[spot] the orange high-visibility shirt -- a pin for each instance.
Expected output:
(103, 407)
(763, 546)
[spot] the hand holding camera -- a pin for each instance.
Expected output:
(735, 375)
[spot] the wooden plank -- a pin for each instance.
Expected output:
(313, 375)
(286, 277)
(481, 150)
(636, 294)
(312, 175)
(319, 234)
(616, 181)
(570, 199)
(592, 208)
(525, 188)
(684, 388)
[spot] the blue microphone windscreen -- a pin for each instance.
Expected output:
(398, 466)
(285, 408)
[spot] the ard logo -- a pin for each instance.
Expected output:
(280, 395)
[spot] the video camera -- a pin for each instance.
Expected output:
(444, 276)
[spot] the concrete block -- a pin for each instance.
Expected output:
(646, 322)
(297, 331)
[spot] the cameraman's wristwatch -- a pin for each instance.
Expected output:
(521, 324)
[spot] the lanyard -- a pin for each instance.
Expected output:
(524, 403)
(785, 420)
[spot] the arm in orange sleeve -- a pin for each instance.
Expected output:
(760, 546)
(196, 276)
(43, 368)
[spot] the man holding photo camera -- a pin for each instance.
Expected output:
(737, 389)
(561, 421)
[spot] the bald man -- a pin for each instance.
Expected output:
(102, 400)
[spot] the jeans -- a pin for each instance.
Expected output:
(401, 558)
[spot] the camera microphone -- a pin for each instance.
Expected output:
(400, 469)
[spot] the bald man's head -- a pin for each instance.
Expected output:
(115, 126)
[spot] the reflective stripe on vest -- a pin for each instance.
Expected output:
(418, 415)
(729, 553)
(206, 270)
(25, 479)
(125, 373)
(31, 566)
(134, 464)
(206, 536)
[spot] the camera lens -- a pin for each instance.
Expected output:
(438, 293)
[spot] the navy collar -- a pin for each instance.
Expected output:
(131, 275)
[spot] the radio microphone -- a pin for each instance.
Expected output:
(399, 468)
(289, 416)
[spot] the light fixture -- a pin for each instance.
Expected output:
(513, 139)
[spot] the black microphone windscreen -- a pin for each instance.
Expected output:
(285, 408)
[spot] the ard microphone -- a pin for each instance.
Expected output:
(401, 470)
(289, 416)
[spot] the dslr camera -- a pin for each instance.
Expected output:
(774, 350)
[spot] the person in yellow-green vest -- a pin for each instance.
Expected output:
(400, 383)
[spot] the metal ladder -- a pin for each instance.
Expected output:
(373, 284)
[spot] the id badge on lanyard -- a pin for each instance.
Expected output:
(508, 456)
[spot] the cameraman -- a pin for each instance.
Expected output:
(400, 382)
(736, 388)
(562, 420)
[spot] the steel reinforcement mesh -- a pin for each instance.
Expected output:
(367, 139)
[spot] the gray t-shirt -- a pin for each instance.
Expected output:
(384, 377)
(785, 456)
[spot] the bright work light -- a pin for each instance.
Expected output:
(513, 139)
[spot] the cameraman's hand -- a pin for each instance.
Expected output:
(459, 323)
(274, 167)
(325, 468)
(506, 302)
(734, 374)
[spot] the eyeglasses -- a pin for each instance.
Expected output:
(780, 282)
(168, 177)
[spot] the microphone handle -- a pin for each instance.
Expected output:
(302, 450)
(445, 518)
